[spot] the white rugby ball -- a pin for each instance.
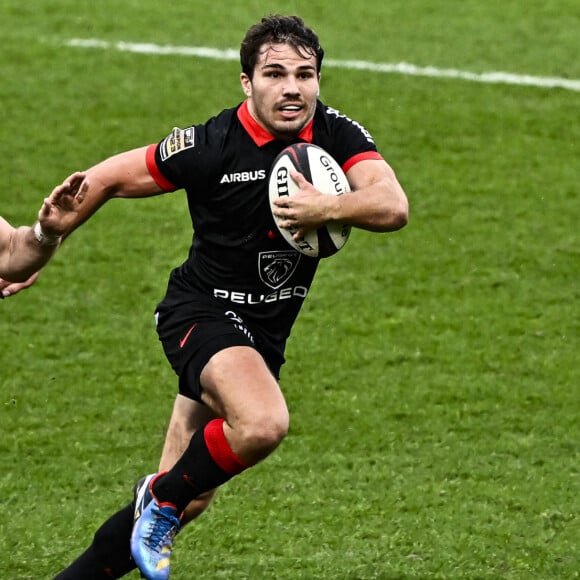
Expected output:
(322, 170)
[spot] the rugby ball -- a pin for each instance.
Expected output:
(322, 170)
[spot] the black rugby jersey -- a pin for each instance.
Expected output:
(237, 255)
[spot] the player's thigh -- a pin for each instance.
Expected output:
(239, 386)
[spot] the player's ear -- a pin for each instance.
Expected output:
(246, 84)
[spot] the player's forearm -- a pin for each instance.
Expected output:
(381, 207)
(124, 176)
(377, 202)
(26, 254)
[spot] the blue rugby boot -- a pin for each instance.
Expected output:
(154, 529)
(142, 495)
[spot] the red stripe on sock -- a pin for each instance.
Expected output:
(220, 449)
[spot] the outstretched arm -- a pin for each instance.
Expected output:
(25, 250)
(124, 175)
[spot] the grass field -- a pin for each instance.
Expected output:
(433, 377)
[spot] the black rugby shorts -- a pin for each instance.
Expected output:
(192, 333)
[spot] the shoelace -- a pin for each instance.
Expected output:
(163, 529)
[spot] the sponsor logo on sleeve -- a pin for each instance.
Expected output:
(179, 140)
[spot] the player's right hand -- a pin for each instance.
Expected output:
(59, 209)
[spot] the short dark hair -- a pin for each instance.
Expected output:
(277, 29)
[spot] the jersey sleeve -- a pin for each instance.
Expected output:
(349, 141)
(160, 179)
(173, 160)
(360, 157)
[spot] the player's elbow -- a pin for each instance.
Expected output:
(400, 216)
(396, 216)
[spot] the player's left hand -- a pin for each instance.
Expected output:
(306, 210)
(10, 288)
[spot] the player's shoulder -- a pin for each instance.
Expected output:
(340, 135)
(216, 126)
(335, 121)
(224, 118)
(199, 138)
(331, 114)
(221, 128)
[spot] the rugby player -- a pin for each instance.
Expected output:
(225, 318)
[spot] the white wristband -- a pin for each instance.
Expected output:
(45, 239)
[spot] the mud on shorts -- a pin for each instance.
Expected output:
(191, 333)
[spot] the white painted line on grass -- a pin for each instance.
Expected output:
(403, 68)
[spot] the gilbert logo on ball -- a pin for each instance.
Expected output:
(326, 175)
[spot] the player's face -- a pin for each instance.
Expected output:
(282, 93)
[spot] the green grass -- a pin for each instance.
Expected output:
(432, 377)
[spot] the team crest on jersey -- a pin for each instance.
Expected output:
(276, 268)
(178, 140)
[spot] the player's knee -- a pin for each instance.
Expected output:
(262, 434)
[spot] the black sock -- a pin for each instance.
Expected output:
(207, 463)
(109, 556)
